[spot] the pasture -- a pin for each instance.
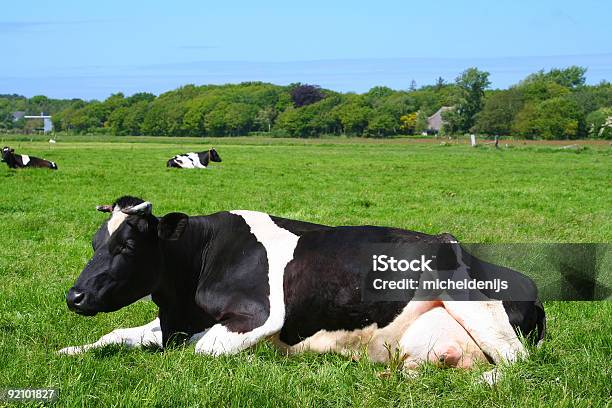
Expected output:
(520, 194)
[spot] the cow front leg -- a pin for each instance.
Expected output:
(149, 334)
(219, 340)
(488, 324)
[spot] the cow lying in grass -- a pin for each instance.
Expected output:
(19, 161)
(194, 160)
(228, 280)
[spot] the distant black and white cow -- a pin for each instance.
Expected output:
(18, 161)
(231, 279)
(194, 160)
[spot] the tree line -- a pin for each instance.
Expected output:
(555, 104)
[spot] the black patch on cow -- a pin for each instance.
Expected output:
(323, 282)
(204, 158)
(214, 272)
(172, 163)
(209, 156)
(127, 201)
(298, 227)
(234, 286)
(179, 314)
(171, 226)
(526, 316)
(101, 236)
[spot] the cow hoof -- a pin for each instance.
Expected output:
(410, 373)
(491, 377)
(70, 351)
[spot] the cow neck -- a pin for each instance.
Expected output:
(208, 158)
(11, 160)
(182, 263)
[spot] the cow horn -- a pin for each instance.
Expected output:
(104, 208)
(140, 209)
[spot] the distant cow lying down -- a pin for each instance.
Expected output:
(18, 161)
(194, 160)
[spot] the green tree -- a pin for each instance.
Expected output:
(116, 121)
(164, 118)
(354, 117)
(470, 87)
(381, 124)
(295, 122)
(555, 118)
(570, 77)
(239, 118)
(115, 101)
(498, 113)
(421, 123)
(265, 118)
(134, 119)
(215, 120)
(599, 123)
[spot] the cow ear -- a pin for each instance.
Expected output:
(104, 208)
(142, 224)
(172, 226)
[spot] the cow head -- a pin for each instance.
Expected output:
(214, 156)
(7, 152)
(127, 261)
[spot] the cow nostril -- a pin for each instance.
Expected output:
(78, 298)
(74, 298)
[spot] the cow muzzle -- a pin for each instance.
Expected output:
(76, 301)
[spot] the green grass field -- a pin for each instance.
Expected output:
(530, 194)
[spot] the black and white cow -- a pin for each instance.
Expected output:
(194, 160)
(18, 161)
(231, 279)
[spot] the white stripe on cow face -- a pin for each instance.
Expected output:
(116, 220)
(279, 244)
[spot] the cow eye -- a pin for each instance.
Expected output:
(129, 245)
(125, 248)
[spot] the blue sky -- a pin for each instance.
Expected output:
(92, 49)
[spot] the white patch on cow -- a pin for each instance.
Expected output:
(345, 342)
(438, 338)
(390, 335)
(149, 334)
(488, 324)
(195, 159)
(116, 220)
(25, 159)
(184, 162)
(279, 244)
